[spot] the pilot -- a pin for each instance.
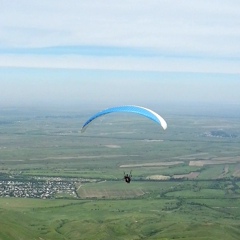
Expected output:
(127, 177)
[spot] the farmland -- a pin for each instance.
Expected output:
(186, 181)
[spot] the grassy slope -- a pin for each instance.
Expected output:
(118, 219)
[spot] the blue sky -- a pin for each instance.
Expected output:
(113, 52)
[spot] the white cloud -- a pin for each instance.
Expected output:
(199, 26)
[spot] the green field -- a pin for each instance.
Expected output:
(56, 183)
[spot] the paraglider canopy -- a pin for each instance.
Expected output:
(131, 109)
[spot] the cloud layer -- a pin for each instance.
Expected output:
(195, 35)
(128, 51)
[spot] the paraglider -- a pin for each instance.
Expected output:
(148, 113)
(129, 109)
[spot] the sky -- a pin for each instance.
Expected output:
(103, 52)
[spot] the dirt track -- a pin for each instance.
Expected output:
(219, 160)
(158, 164)
(191, 175)
(158, 177)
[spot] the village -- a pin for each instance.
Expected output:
(44, 189)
